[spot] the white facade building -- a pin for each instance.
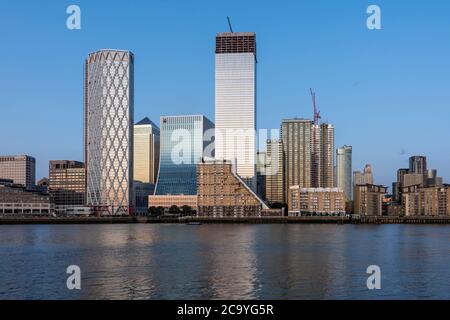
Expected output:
(108, 131)
(235, 102)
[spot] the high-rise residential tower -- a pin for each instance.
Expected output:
(146, 151)
(322, 156)
(21, 169)
(296, 138)
(274, 172)
(344, 170)
(108, 131)
(235, 102)
(185, 140)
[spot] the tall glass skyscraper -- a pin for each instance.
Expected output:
(235, 100)
(108, 131)
(344, 170)
(184, 141)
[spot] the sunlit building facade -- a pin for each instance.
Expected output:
(108, 116)
(235, 102)
(67, 182)
(21, 169)
(146, 151)
(274, 172)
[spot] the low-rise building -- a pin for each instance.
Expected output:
(316, 201)
(17, 200)
(222, 193)
(368, 199)
(167, 201)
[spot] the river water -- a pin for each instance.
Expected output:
(235, 261)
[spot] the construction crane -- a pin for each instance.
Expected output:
(229, 24)
(316, 112)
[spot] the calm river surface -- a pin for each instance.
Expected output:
(170, 261)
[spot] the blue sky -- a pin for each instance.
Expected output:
(386, 91)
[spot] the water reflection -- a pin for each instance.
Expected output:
(139, 261)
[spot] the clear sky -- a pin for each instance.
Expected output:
(386, 91)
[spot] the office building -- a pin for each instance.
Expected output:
(316, 201)
(296, 137)
(261, 164)
(223, 193)
(67, 183)
(21, 169)
(141, 192)
(235, 102)
(184, 142)
(344, 170)
(108, 131)
(418, 165)
(274, 172)
(412, 179)
(146, 151)
(368, 199)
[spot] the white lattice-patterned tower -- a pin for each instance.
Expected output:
(108, 131)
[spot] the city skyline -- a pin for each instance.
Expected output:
(342, 107)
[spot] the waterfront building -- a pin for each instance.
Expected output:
(146, 151)
(167, 201)
(316, 201)
(21, 169)
(185, 140)
(141, 192)
(296, 137)
(67, 184)
(429, 201)
(322, 156)
(223, 193)
(108, 131)
(16, 200)
(235, 102)
(274, 183)
(368, 199)
(398, 185)
(344, 170)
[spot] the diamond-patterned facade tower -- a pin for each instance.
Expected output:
(108, 131)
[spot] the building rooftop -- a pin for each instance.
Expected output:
(146, 122)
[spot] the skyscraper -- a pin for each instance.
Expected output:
(146, 151)
(20, 169)
(418, 165)
(108, 131)
(344, 170)
(296, 137)
(275, 172)
(322, 156)
(235, 101)
(184, 142)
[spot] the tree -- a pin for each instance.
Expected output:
(174, 209)
(187, 210)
